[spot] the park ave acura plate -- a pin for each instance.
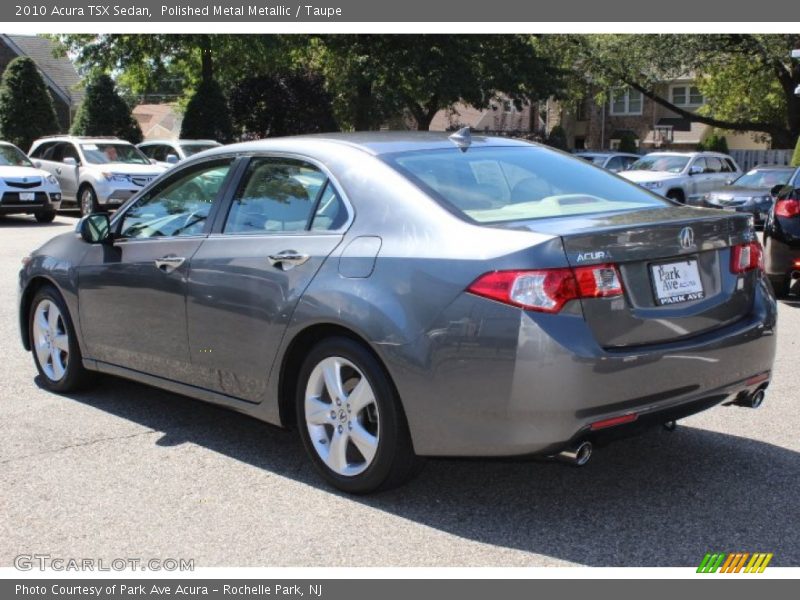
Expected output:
(676, 282)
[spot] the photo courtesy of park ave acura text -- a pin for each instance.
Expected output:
(399, 300)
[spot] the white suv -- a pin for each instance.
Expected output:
(25, 189)
(94, 172)
(683, 176)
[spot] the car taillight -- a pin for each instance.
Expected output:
(548, 290)
(787, 208)
(746, 257)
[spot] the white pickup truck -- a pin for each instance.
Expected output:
(682, 176)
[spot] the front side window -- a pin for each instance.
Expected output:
(713, 165)
(102, 153)
(179, 206)
(276, 195)
(498, 184)
(11, 156)
(626, 102)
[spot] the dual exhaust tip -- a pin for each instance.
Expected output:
(577, 455)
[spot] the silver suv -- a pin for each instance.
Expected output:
(683, 176)
(94, 172)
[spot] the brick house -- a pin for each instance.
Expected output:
(58, 72)
(501, 116)
(596, 127)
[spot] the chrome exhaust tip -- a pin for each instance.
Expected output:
(757, 399)
(577, 455)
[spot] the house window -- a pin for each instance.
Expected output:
(626, 102)
(687, 95)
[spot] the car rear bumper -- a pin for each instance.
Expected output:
(780, 257)
(502, 382)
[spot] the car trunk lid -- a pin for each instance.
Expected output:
(674, 264)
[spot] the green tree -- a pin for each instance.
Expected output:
(557, 138)
(26, 107)
(714, 143)
(796, 155)
(104, 112)
(748, 80)
(376, 77)
(207, 115)
(273, 105)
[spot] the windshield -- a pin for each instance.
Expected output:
(660, 162)
(496, 184)
(191, 149)
(595, 159)
(766, 178)
(11, 156)
(100, 153)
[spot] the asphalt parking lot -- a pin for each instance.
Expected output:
(128, 471)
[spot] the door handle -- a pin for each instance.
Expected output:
(168, 264)
(287, 259)
(58, 170)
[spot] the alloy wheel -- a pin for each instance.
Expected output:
(342, 416)
(51, 340)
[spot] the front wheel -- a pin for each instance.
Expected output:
(350, 419)
(45, 216)
(55, 347)
(88, 200)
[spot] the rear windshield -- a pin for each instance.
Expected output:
(497, 184)
(766, 178)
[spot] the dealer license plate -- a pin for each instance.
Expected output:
(677, 282)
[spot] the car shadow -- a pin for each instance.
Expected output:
(660, 499)
(30, 221)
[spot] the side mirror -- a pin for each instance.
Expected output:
(695, 170)
(70, 161)
(37, 164)
(95, 228)
(172, 159)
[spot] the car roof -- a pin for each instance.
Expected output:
(372, 142)
(604, 153)
(81, 138)
(688, 154)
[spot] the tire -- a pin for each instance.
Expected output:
(87, 200)
(676, 195)
(45, 216)
(357, 440)
(53, 343)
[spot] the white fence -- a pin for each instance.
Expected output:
(747, 159)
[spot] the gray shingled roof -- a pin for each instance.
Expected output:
(59, 72)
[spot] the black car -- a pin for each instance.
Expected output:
(752, 192)
(782, 238)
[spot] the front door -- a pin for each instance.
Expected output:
(246, 279)
(132, 293)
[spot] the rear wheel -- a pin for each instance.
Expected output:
(45, 216)
(55, 348)
(780, 285)
(87, 200)
(350, 419)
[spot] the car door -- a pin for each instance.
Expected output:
(697, 184)
(66, 173)
(283, 221)
(716, 176)
(132, 292)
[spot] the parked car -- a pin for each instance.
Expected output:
(750, 193)
(94, 172)
(396, 295)
(782, 238)
(167, 153)
(683, 176)
(609, 160)
(25, 189)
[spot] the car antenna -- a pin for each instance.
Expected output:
(462, 139)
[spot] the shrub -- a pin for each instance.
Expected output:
(26, 106)
(627, 142)
(714, 143)
(104, 112)
(557, 138)
(207, 115)
(796, 155)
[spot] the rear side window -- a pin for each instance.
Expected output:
(497, 184)
(276, 195)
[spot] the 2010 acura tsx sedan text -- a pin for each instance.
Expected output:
(401, 295)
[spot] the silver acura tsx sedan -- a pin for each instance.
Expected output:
(401, 295)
